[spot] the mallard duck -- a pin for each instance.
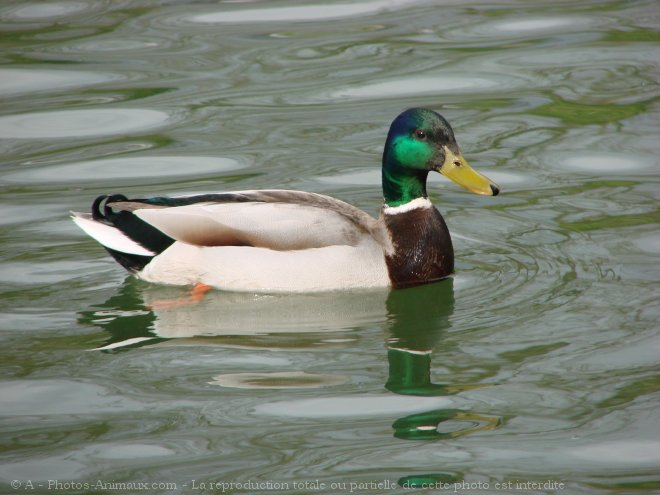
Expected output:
(280, 240)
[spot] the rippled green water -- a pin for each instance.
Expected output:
(537, 363)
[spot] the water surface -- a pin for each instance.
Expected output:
(537, 363)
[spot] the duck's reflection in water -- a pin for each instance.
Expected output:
(415, 321)
(233, 318)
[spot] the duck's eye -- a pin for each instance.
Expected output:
(420, 134)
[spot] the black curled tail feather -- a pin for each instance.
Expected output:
(101, 212)
(133, 227)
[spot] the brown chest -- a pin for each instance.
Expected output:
(423, 251)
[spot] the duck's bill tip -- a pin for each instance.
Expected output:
(456, 168)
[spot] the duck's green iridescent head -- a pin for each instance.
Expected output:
(421, 141)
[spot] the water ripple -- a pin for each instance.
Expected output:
(44, 11)
(80, 123)
(127, 168)
(357, 406)
(304, 13)
(278, 380)
(524, 27)
(606, 163)
(111, 45)
(59, 396)
(440, 84)
(17, 81)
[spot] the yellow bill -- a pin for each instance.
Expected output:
(457, 169)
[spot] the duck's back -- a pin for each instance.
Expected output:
(269, 240)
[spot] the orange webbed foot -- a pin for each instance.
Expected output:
(196, 296)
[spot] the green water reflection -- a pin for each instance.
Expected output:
(415, 321)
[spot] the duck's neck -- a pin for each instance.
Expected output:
(401, 184)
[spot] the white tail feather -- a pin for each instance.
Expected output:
(123, 343)
(110, 237)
